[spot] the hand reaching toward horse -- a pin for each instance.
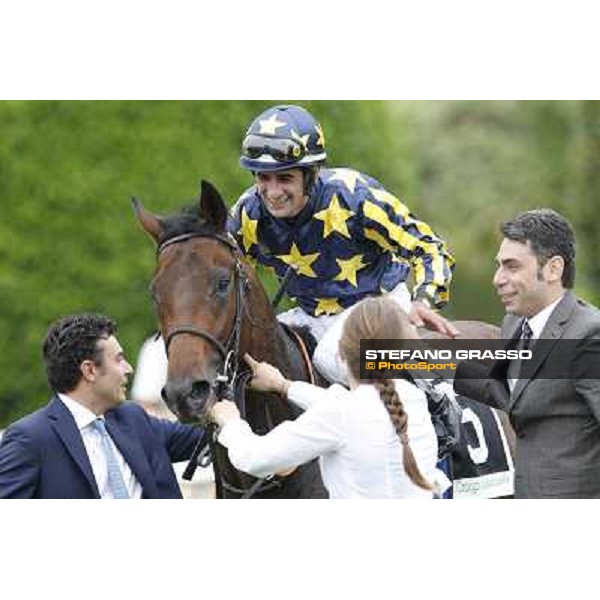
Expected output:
(223, 412)
(266, 377)
(421, 315)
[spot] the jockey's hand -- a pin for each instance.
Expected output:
(422, 316)
(266, 377)
(223, 412)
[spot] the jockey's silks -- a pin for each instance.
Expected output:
(352, 239)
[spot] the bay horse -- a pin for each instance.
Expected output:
(212, 309)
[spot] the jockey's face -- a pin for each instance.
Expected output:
(282, 192)
(525, 288)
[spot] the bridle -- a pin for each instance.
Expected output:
(228, 352)
(229, 384)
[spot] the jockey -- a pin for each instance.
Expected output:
(343, 236)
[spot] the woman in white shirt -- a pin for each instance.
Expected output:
(375, 440)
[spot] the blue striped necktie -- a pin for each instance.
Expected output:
(115, 477)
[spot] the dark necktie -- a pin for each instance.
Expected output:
(526, 334)
(524, 343)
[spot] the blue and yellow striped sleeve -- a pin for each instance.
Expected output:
(389, 223)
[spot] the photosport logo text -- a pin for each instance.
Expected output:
(431, 358)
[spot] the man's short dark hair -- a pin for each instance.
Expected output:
(71, 340)
(549, 234)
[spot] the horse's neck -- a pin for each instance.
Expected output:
(265, 337)
(284, 353)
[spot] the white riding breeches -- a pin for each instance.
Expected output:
(327, 330)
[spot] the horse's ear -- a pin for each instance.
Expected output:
(147, 220)
(212, 206)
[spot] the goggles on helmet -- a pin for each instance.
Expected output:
(281, 149)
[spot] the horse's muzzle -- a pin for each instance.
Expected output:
(189, 399)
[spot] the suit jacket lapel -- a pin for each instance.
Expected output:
(553, 330)
(133, 453)
(64, 425)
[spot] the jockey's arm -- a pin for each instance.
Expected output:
(388, 222)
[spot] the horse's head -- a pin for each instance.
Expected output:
(197, 290)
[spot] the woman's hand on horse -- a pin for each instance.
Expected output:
(223, 412)
(266, 377)
(422, 316)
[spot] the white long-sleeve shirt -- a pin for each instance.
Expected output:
(351, 432)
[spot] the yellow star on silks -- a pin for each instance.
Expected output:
(301, 262)
(248, 230)
(270, 125)
(327, 306)
(303, 139)
(321, 138)
(334, 218)
(349, 268)
(348, 176)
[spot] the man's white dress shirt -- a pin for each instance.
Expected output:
(84, 419)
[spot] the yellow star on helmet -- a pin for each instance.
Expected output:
(327, 306)
(248, 230)
(348, 176)
(301, 262)
(334, 218)
(349, 269)
(321, 138)
(271, 125)
(303, 139)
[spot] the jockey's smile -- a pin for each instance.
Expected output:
(282, 192)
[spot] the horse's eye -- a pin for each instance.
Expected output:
(222, 286)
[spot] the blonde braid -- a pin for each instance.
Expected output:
(393, 404)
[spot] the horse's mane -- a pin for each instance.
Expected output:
(186, 221)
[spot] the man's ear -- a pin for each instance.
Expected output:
(88, 370)
(555, 268)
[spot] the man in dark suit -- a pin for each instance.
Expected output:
(88, 442)
(553, 400)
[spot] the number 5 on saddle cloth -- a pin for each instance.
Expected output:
(473, 449)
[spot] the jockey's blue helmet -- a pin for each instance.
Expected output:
(283, 137)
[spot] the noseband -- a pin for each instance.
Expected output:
(228, 352)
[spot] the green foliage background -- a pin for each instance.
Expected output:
(69, 241)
